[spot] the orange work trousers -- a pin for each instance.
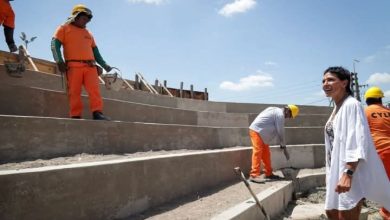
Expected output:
(385, 157)
(7, 15)
(260, 153)
(80, 74)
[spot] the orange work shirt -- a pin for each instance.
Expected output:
(379, 121)
(7, 15)
(77, 42)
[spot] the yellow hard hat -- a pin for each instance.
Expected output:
(294, 110)
(80, 8)
(374, 92)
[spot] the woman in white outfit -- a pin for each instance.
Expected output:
(353, 168)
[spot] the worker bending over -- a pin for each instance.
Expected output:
(378, 117)
(268, 125)
(81, 55)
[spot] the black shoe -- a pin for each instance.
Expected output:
(99, 116)
(76, 117)
(12, 48)
(273, 177)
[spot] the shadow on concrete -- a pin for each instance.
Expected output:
(179, 202)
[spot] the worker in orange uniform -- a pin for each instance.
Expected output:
(268, 125)
(7, 19)
(379, 121)
(81, 55)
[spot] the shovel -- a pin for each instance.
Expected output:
(238, 171)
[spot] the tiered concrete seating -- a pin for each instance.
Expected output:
(34, 125)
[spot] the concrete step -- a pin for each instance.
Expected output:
(54, 82)
(17, 100)
(274, 199)
(25, 137)
(117, 189)
(302, 120)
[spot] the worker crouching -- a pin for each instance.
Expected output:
(81, 55)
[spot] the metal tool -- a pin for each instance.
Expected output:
(238, 171)
(114, 80)
(286, 154)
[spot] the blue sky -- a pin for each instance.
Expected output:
(256, 51)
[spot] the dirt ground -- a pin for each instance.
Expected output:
(82, 158)
(205, 205)
(317, 196)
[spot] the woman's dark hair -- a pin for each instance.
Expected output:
(342, 74)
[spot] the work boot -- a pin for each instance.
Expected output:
(12, 48)
(256, 179)
(97, 115)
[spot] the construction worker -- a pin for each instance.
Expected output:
(378, 117)
(268, 125)
(81, 55)
(7, 19)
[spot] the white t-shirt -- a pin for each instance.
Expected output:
(352, 142)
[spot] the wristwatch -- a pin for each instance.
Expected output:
(348, 172)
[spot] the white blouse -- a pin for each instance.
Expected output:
(352, 142)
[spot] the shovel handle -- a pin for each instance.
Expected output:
(238, 171)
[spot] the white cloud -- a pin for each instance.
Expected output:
(152, 2)
(379, 78)
(387, 93)
(238, 6)
(252, 81)
(270, 63)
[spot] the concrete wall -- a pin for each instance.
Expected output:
(114, 189)
(301, 156)
(120, 188)
(48, 81)
(15, 101)
(33, 138)
(302, 120)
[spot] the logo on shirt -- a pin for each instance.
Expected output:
(380, 114)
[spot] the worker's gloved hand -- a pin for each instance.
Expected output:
(282, 147)
(107, 68)
(62, 67)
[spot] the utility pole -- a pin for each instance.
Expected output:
(355, 82)
(355, 86)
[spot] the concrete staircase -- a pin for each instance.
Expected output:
(155, 150)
